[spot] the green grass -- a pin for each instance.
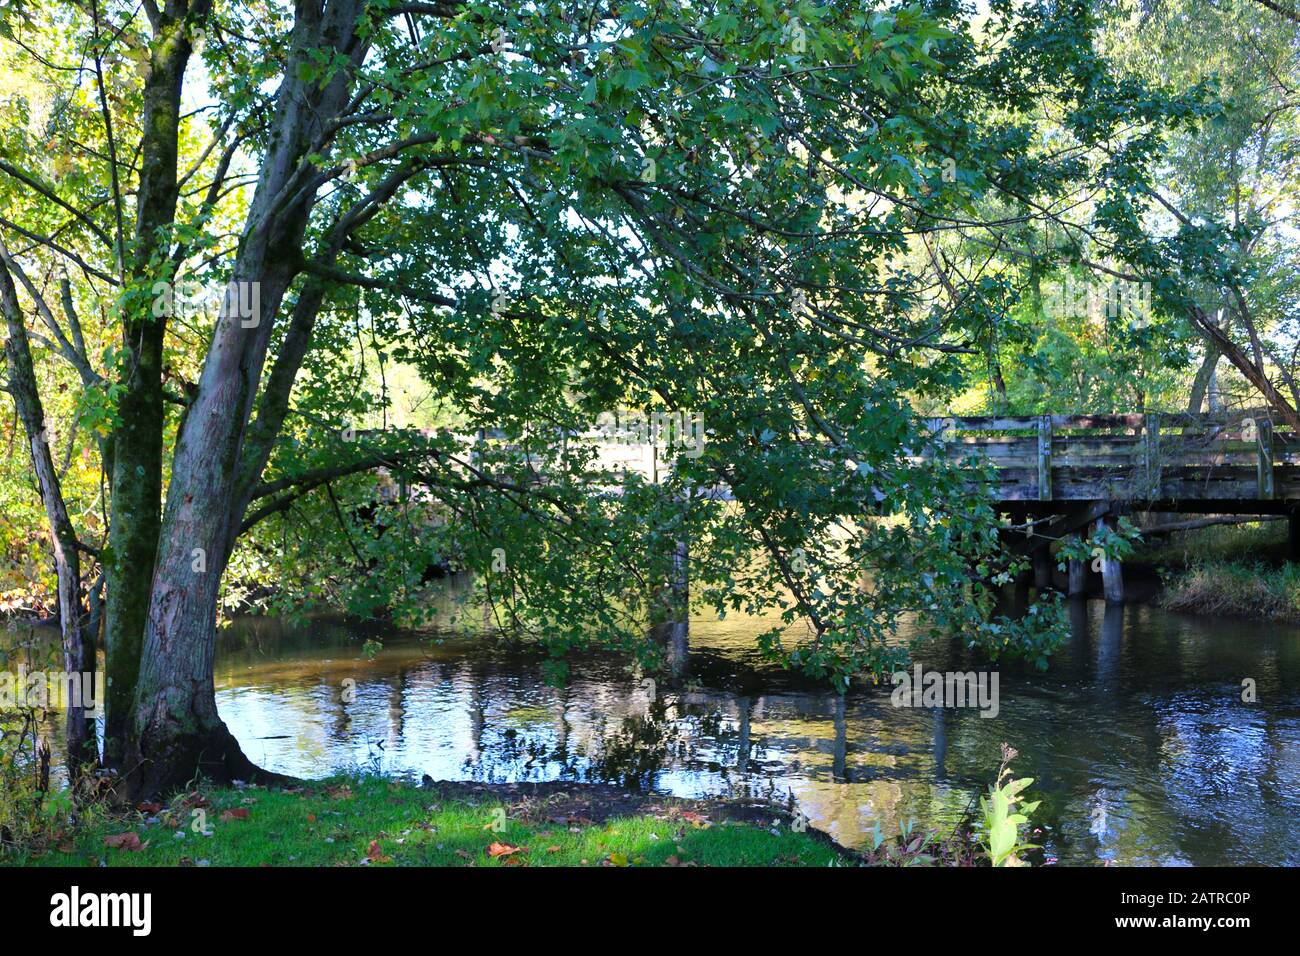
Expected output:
(1244, 589)
(375, 822)
(1238, 570)
(1262, 541)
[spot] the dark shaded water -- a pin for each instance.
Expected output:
(1142, 749)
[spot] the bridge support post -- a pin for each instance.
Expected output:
(681, 582)
(1078, 574)
(1112, 577)
(1043, 568)
(674, 630)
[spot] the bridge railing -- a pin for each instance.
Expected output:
(1156, 456)
(617, 453)
(1129, 456)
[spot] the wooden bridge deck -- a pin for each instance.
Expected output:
(1073, 470)
(1241, 463)
(1043, 464)
(1069, 471)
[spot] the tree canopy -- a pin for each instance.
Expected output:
(261, 259)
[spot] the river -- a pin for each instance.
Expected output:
(1140, 745)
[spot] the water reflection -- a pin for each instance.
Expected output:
(1137, 737)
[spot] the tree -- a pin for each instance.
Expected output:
(77, 634)
(1211, 231)
(549, 213)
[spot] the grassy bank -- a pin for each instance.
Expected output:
(376, 822)
(1263, 542)
(1238, 570)
(1238, 588)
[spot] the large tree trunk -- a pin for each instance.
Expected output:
(177, 731)
(78, 648)
(137, 452)
(136, 495)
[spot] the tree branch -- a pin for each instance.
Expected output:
(35, 184)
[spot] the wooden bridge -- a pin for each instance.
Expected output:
(1057, 474)
(1163, 462)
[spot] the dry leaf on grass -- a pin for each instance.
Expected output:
(125, 841)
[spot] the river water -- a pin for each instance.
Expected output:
(1142, 749)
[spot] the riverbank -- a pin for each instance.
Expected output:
(1230, 570)
(371, 821)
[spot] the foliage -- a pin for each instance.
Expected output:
(911, 848)
(1002, 813)
(1264, 540)
(29, 810)
(1111, 543)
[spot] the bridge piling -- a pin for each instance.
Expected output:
(1078, 574)
(1112, 576)
(674, 630)
(1043, 568)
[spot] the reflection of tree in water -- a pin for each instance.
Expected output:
(666, 736)
(642, 745)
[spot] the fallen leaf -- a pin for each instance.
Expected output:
(125, 841)
(148, 807)
(311, 818)
(552, 849)
(239, 813)
(375, 855)
(503, 849)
